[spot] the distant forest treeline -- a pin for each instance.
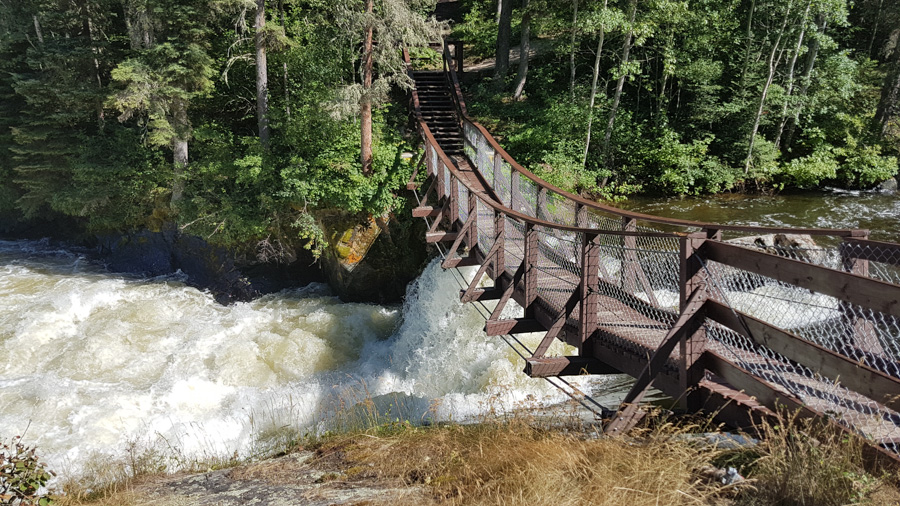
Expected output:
(671, 97)
(234, 119)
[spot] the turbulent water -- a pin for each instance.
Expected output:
(92, 364)
(872, 210)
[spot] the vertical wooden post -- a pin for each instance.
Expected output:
(498, 176)
(581, 216)
(629, 257)
(541, 205)
(514, 194)
(590, 299)
(500, 235)
(531, 272)
(693, 340)
(472, 234)
(861, 332)
(459, 57)
(454, 202)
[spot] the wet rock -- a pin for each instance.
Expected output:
(369, 259)
(888, 186)
(149, 254)
(797, 246)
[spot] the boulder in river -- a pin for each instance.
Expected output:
(797, 246)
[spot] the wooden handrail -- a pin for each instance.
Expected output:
(457, 90)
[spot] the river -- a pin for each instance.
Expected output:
(96, 365)
(872, 210)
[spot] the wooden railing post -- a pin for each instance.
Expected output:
(458, 50)
(860, 332)
(541, 205)
(472, 234)
(581, 216)
(693, 340)
(590, 299)
(500, 235)
(514, 194)
(498, 174)
(454, 202)
(531, 273)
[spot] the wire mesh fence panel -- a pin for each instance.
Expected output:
(526, 200)
(514, 244)
(502, 172)
(462, 198)
(559, 209)
(558, 266)
(863, 335)
(881, 261)
(486, 226)
(486, 161)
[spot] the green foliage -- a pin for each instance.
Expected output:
(22, 475)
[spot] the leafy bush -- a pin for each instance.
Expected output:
(22, 475)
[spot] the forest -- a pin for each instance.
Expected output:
(237, 120)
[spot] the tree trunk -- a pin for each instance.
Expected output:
(875, 29)
(773, 64)
(789, 88)
(524, 48)
(572, 52)
(365, 106)
(504, 29)
(179, 150)
(805, 79)
(594, 77)
(287, 90)
(626, 49)
(887, 115)
(749, 44)
(262, 77)
(499, 11)
(37, 29)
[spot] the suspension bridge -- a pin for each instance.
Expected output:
(739, 321)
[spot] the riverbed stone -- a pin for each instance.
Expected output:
(888, 186)
(797, 246)
(370, 258)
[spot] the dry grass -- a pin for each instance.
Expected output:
(517, 463)
(802, 462)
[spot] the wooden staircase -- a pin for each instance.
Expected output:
(439, 111)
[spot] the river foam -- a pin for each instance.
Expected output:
(92, 364)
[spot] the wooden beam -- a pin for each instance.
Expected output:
(851, 374)
(483, 294)
(558, 324)
(866, 292)
(432, 237)
(466, 261)
(566, 366)
(512, 326)
(425, 212)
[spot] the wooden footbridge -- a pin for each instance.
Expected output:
(736, 320)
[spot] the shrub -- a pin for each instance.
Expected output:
(22, 475)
